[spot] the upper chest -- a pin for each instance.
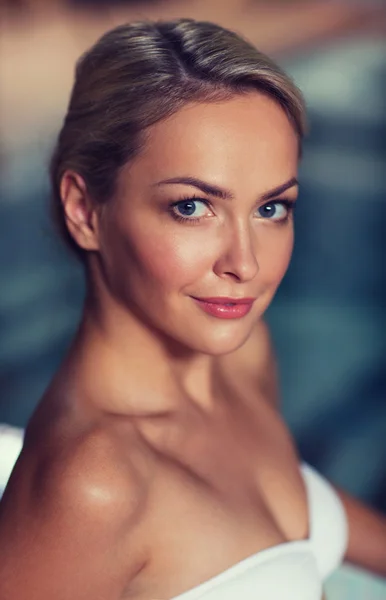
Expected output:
(226, 487)
(238, 462)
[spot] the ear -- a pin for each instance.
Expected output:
(80, 214)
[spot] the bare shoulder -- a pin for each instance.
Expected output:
(97, 467)
(69, 517)
(101, 469)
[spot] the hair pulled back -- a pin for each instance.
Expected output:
(140, 73)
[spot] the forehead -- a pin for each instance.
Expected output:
(245, 139)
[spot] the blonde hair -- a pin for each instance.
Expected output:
(140, 73)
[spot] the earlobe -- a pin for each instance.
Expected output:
(79, 212)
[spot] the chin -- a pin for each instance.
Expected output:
(220, 341)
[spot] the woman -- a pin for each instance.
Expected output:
(157, 464)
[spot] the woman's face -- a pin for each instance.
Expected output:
(205, 212)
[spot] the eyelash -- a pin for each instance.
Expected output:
(289, 205)
(182, 219)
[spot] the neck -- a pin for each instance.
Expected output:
(126, 366)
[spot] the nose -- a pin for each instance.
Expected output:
(238, 258)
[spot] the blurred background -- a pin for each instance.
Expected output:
(328, 319)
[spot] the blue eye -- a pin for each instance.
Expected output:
(275, 211)
(189, 209)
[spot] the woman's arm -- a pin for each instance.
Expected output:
(66, 525)
(367, 535)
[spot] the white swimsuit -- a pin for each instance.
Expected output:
(293, 570)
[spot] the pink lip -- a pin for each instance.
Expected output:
(226, 308)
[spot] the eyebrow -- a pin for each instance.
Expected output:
(280, 189)
(218, 192)
(203, 186)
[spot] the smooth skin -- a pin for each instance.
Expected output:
(158, 457)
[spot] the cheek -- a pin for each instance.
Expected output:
(170, 261)
(275, 255)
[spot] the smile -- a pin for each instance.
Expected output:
(225, 308)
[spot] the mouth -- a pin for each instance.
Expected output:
(224, 307)
(225, 300)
